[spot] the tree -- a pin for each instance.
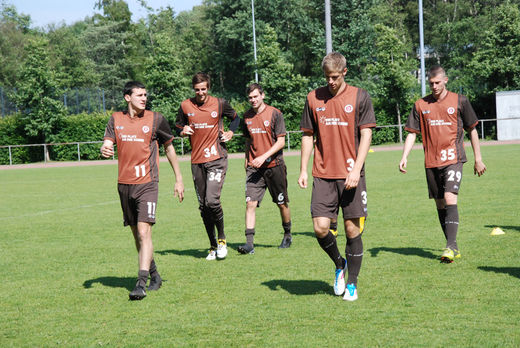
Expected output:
(37, 95)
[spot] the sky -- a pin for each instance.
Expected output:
(44, 12)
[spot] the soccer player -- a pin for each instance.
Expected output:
(201, 118)
(138, 133)
(341, 118)
(439, 118)
(264, 129)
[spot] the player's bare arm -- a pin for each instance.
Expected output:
(408, 144)
(107, 149)
(178, 190)
(352, 179)
(306, 150)
(277, 146)
(479, 167)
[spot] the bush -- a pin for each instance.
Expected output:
(12, 133)
(80, 128)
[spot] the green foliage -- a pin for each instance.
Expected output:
(80, 128)
(166, 77)
(12, 132)
(37, 93)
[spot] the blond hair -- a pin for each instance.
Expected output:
(334, 61)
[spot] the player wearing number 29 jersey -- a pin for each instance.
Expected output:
(441, 119)
(201, 118)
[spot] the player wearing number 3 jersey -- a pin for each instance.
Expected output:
(138, 134)
(201, 118)
(340, 117)
(441, 118)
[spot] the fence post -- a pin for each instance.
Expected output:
(79, 158)
(182, 146)
(44, 153)
(2, 94)
(10, 157)
(103, 94)
(482, 129)
(288, 141)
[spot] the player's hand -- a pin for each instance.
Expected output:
(402, 166)
(258, 162)
(352, 180)
(226, 136)
(107, 150)
(187, 130)
(302, 180)
(178, 191)
(479, 168)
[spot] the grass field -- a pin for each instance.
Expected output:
(67, 265)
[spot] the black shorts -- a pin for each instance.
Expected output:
(330, 194)
(444, 179)
(139, 202)
(275, 179)
(208, 179)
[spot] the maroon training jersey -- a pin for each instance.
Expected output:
(441, 124)
(206, 120)
(264, 129)
(336, 122)
(137, 141)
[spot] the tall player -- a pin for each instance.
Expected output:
(440, 118)
(201, 118)
(264, 129)
(138, 134)
(341, 118)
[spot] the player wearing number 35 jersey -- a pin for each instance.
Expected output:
(201, 118)
(441, 118)
(138, 133)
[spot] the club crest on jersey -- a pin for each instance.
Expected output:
(348, 108)
(146, 129)
(266, 123)
(451, 110)
(320, 109)
(191, 114)
(214, 114)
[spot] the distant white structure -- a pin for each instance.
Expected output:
(508, 107)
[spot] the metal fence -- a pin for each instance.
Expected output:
(76, 100)
(486, 125)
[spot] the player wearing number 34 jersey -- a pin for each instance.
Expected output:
(441, 118)
(201, 119)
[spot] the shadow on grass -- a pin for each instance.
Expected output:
(308, 234)
(515, 228)
(300, 287)
(512, 271)
(405, 251)
(202, 253)
(114, 282)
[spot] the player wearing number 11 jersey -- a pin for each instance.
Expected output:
(138, 133)
(440, 118)
(201, 118)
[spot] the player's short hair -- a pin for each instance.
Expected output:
(436, 70)
(254, 86)
(130, 85)
(201, 77)
(334, 61)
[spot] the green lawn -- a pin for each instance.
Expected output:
(67, 265)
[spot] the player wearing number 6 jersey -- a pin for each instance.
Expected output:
(138, 134)
(201, 118)
(264, 129)
(341, 118)
(440, 118)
